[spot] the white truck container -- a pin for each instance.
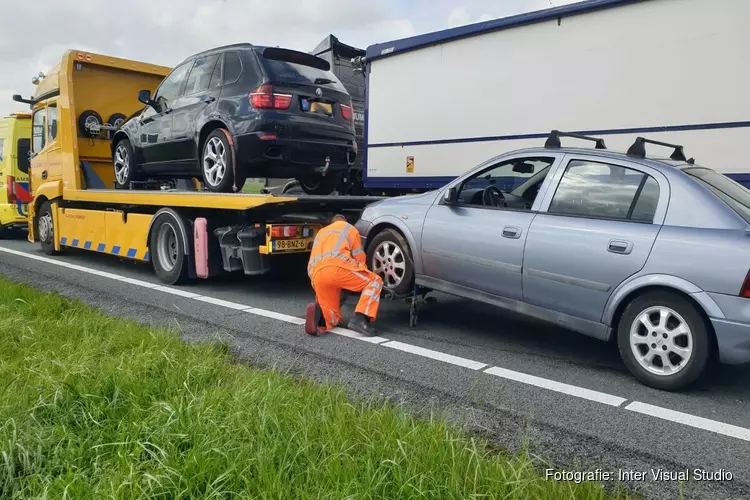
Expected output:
(671, 70)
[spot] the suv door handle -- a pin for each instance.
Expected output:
(511, 232)
(208, 99)
(620, 246)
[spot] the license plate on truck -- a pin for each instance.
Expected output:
(300, 244)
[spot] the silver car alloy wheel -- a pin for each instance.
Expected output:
(122, 164)
(45, 227)
(214, 161)
(389, 263)
(661, 340)
(166, 243)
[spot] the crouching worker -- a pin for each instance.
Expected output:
(338, 262)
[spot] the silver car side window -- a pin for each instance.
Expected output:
(602, 190)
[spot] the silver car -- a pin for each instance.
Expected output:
(654, 253)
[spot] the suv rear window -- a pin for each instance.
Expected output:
(290, 66)
(730, 192)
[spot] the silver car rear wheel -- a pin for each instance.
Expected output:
(661, 340)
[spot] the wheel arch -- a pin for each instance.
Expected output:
(207, 128)
(388, 222)
(629, 291)
(182, 222)
(119, 136)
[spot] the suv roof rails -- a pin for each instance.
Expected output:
(638, 149)
(553, 141)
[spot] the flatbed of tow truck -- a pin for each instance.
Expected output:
(184, 233)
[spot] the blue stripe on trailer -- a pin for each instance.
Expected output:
(75, 242)
(63, 240)
(132, 252)
(87, 245)
(145, 256)
(116, 250)
(101, 247)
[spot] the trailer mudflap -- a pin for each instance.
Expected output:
(240, 249)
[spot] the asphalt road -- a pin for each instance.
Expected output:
(568, 397)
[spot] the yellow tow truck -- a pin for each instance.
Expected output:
(186, 233)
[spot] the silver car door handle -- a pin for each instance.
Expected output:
(511, 232)
(620, 246)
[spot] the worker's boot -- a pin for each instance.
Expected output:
(361, 324)
(313, 318)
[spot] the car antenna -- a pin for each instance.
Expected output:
(553, 141)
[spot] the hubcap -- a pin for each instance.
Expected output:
(661, 340)
(214, 161)
(45, 227)
(388, 262)
(122, 164)
(166, 243)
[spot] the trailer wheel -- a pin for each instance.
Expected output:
(115, 120)
(46, 229)
(87, 120)
(167, 252)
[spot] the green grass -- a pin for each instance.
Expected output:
(93, 406)
(252, 187)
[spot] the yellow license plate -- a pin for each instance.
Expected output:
(321, 107)
(290, 244)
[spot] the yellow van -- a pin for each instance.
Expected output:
(15, 143)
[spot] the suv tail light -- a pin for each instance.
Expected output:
(264, 98)
(11, 183)
(346, 112)
(745, 290)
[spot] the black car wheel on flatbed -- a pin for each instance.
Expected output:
(218, 163)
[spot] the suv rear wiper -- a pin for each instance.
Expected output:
(322, 81)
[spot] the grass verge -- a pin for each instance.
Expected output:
(93, 406)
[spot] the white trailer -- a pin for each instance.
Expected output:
(672, 70)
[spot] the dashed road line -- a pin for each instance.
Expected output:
(673, 416)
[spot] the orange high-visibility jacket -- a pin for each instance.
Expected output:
(337, 244)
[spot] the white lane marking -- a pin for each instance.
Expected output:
(177, 291)
(223, 303)
(345, 332)
(570, 390)
(437, 355)
(274, 315)
(690, 420)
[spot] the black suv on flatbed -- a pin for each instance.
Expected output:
(241, 111)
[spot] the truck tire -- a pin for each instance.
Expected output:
(167, 251)
(123, 162)
(46, 229)
(389, 256)
(664, 341)
(218, 163)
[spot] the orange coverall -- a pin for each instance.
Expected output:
(337, 262)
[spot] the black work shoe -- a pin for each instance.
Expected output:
(360, 324)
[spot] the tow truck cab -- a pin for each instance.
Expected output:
(15, 137)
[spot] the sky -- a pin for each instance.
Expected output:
(33, 38)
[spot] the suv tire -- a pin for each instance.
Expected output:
(123, 163)
(217, 162)
(668, 327)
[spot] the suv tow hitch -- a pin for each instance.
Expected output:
(324, 169)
